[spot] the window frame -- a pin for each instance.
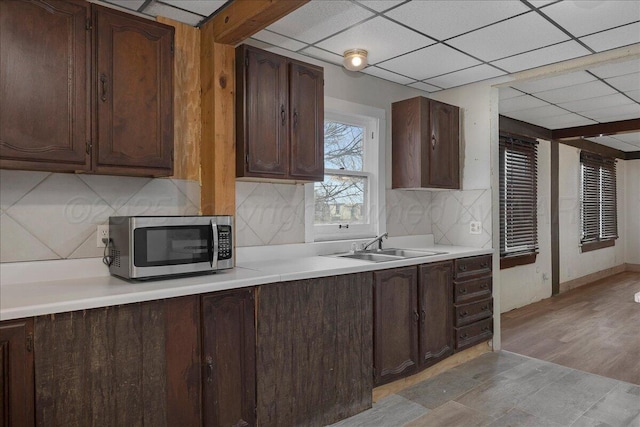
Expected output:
(527, 148)
(601, 163)
(373, 121)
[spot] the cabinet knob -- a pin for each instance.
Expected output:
(295, 118)
(485, 308)
(463, 267)
(423, 315)
(464, 336)
(416, 316)
(283, 114)
(433, 142)
(463, 290)
(464, 314)
(485, 329)
(484, 285)
(484, 265)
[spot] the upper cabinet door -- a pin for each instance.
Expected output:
(134, 94)
(265, 120)
(444, 168)
(306, 94)
(44, 106)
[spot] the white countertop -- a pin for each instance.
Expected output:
(21, 296)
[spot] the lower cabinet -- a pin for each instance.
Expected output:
(16, 373)
(314, 344)
(228, 341)
(412, 319)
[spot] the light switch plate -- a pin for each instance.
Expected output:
(475, 227)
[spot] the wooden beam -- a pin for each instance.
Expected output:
(217, 148)
(243, 18)
(611, 128)
(594, 147)
(520, 128)
(633, 155)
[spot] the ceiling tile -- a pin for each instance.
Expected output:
(380, 5)
(611, 39)
(508, 92)
(615, 69)
(555, 82)
(382, 38)
(519, 103)
(429, 62)
(626, 82)
(200, 7)
(541, 3)
(564, 121)
(323, 55)
(159, 9)
(544, 56)
(596, 103)
(537, 113)
(633, 94)
(387, 75)
(612, 113)
(614, 143)
(513, 36)
(446, 19)
(425, 87)
(629, 138)
(127, 4)
(573, 93)
(319, 19)
(463, 77)
(278, 40)
(588, 16)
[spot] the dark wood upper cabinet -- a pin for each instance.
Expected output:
(279, 117)
(395, 326)
(425, 144)
(16, 373)
(435, 296)
(84, 88)
(229, 375)
(134, 94)
(44, 106)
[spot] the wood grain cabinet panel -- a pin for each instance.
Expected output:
(396, 321)
(44, 107)
(425, 149)
(120, 365)
(314, 344)
(435, 300)
(229, 378)
(16, 373)
(84, 88)
(279, 117)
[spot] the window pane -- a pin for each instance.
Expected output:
(343, 146)
(340, 199)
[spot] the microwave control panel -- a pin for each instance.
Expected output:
(225, 248)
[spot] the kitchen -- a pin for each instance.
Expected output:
(93, 198)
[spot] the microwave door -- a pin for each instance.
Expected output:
(213, 249)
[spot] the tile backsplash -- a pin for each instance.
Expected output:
(54, 216)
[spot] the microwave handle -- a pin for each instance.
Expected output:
(214, 250)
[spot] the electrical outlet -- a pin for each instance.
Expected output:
(475, 227)
(103, 233)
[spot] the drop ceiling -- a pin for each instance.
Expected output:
(436, 45)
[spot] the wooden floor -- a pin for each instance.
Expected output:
(593, 328)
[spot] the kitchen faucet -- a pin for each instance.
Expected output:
(377, 239)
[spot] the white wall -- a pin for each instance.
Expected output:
(632, 239)
(574, 263)
(523, 285)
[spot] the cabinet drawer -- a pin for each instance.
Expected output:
(472, 290)
(472, 266)
(473, 333)
(472, 312)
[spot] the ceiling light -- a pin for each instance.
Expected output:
(355, 59)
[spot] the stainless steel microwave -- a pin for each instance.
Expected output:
(144, 247)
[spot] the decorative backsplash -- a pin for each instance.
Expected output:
(54, 216)
(451, 213)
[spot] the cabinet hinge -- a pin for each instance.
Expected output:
(89, 146)
(88, 25)
(30, 342)
(246, 159)
(246, 60)
(172, 46)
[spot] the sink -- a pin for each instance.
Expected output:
(368, 256)
(389, 254)
(407, 253)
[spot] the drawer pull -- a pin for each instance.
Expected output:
(424, 315)
(463, 290)
(463, 268)
(485, 308)
(416, 316)
(464, 314)
(484, 265)
(484, 286)
(485, 329)
(464, 336)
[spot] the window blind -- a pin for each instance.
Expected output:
(518, 196)
(598, 213)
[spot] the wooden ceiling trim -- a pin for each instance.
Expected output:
(243, 18)
(611, 128)
(516, 127)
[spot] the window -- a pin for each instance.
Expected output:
(598, 214)
(346, 204)
(518, 201)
